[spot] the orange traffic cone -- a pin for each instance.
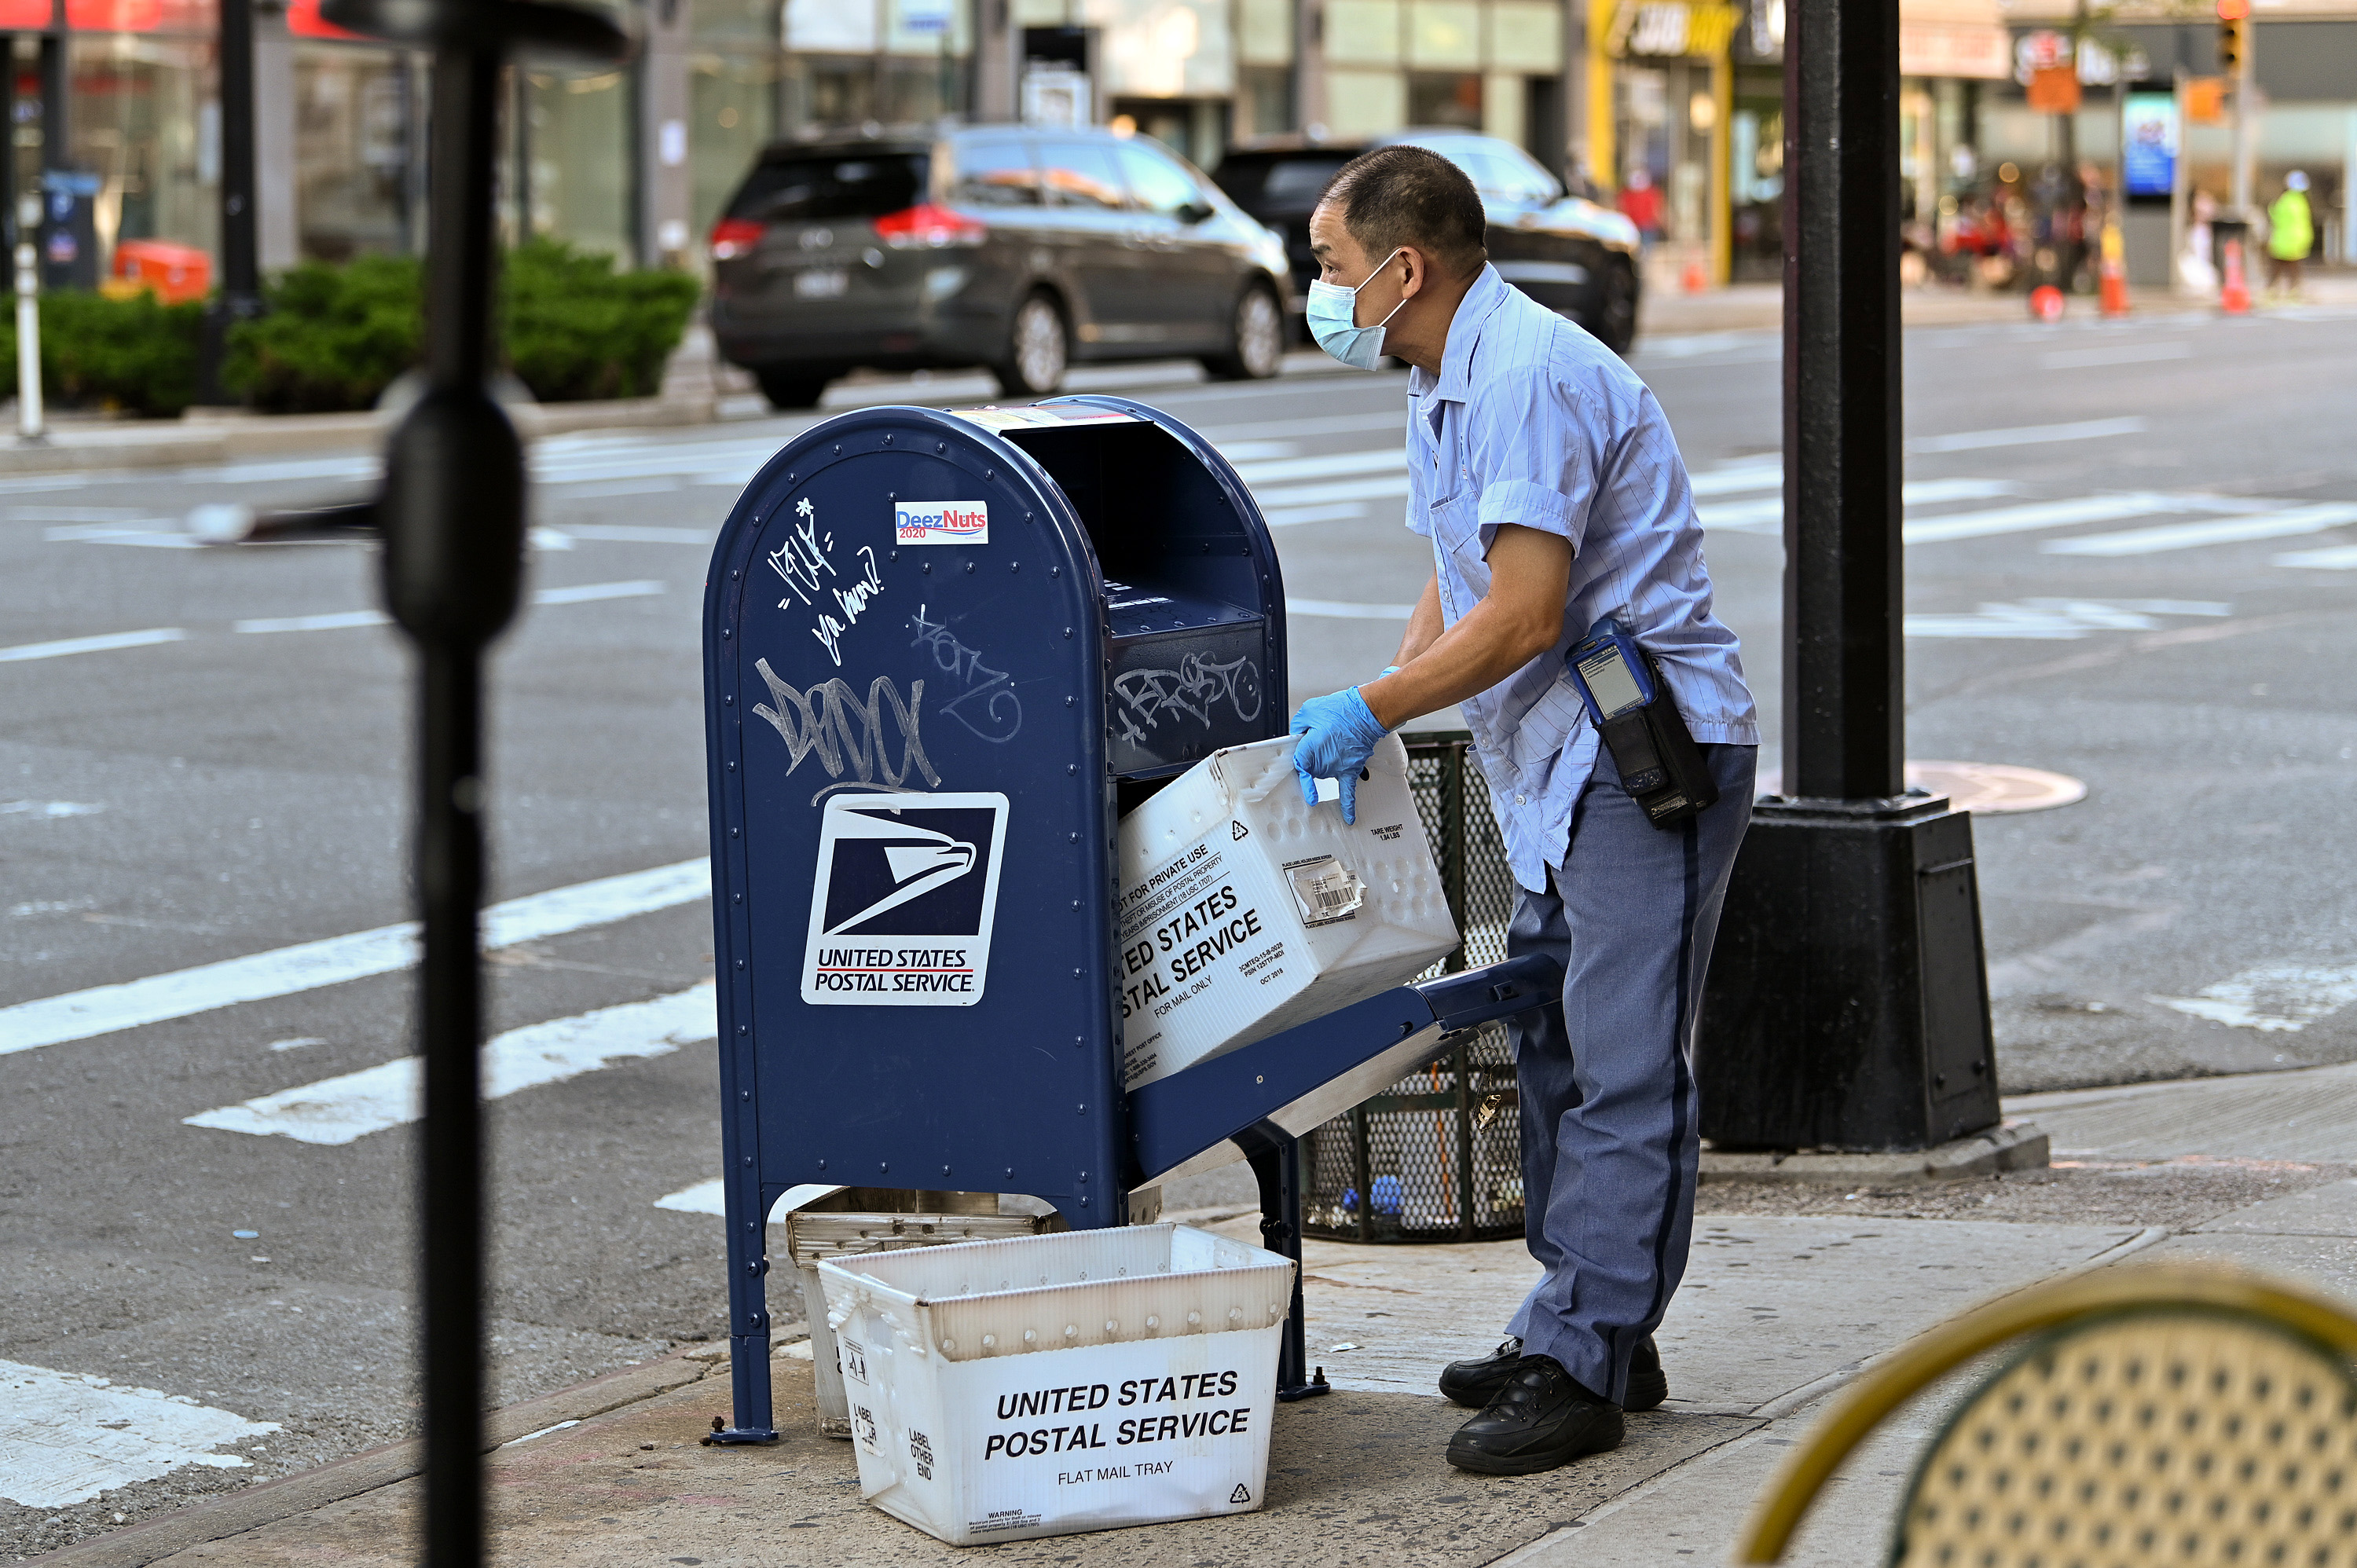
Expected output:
(2234, 295)
(1697, 277)
(2112, 300)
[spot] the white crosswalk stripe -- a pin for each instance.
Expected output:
(105, 1009)
(2283, 525)
(345, 1109)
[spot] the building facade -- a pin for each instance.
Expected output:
(1673, 108)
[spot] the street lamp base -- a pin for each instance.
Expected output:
(1847, 1005)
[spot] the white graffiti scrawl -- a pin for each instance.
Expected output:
(1145, 698)
(802, 557)
(987, 704)
(846, 732)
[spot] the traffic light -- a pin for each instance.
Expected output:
(2234, 17)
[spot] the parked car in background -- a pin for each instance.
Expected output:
(1571, 255)
(1024, 249)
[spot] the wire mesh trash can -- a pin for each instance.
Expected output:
(1437, 1157)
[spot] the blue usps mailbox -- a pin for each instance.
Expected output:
(943, 652)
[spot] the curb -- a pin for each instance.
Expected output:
(2013, 1146)
(234, 1513)
(162, 444)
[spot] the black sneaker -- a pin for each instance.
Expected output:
(1475, 1383)
(1543, 1418)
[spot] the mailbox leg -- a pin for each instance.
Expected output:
(748, 1313)
(1275, 1158)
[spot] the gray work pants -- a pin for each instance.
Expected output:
(1609, 1107)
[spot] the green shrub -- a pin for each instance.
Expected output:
(333, 337)
(579, 329)
(131, 354)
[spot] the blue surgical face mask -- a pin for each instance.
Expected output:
(1333, 314)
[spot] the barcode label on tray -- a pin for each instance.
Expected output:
(1326, 889)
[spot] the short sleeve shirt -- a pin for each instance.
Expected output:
(1534, 422)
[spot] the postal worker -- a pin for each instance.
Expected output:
(1545, 476)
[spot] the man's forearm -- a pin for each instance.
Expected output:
(1519, 618)
(1424, 625)
(1464, 661)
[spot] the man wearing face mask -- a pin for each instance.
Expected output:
(1545, 476)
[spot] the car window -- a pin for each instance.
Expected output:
(1159, 184)
(831, 186)
(1497, 168)
(1081, 174)
(1300, 181)
(995, 174)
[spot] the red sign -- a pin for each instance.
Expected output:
(2054, 90)
(303, 20)
(114, 16)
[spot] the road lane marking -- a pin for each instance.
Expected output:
(704, 1197)
(588, 593)
(2032, 516)
(1381, 488)
(1367, 460)
(2217, 530)
(2059, 621)
(2273, 998)
(2119, 354)
(51, 808)
(1733, 479)
(335, 622)
(1766, 513)
(1336, 512)
(1338, 609)
(2027, 435)
(635, 533)
(2339, 558)
(1394, 421)
(100, 644)
(284, 972)
(345, 1108)
(168, 537)
(66, 1437)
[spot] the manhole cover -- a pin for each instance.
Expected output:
(1988, 787)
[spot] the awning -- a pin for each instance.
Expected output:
(1954, 38)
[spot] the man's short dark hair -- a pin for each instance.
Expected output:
(1411, 196)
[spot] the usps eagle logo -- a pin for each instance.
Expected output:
(903, 902)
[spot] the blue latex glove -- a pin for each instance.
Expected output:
(1339, 734)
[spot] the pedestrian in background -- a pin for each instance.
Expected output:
(2291, 233)
(2196, 272)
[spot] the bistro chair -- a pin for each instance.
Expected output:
(2162, 1414)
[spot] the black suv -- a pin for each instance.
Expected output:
(1019, 248)
(1572, 256)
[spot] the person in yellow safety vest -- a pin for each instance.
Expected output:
(2291, 230)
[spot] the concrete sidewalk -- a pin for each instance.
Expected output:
(1790, 1290)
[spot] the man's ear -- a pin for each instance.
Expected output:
(1419, 266)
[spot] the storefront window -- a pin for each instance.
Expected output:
(1445, 98)
(582, 159)
(139, 117)
(356, 118)
(732, 99)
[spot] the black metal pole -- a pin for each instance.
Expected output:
(1847, 1005)
(453, 516)
(1844, 716)
(240, 299)
(452, 565)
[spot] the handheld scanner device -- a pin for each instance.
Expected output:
(1659, 765)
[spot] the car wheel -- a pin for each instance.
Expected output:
(1614, 321)
(1036, 350)
(788, 388)
(1255, 339)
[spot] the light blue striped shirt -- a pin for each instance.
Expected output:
(1533, 422)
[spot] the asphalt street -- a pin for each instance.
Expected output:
(2131, 558)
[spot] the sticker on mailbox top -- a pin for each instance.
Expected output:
(940, 523)
(902, 913)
